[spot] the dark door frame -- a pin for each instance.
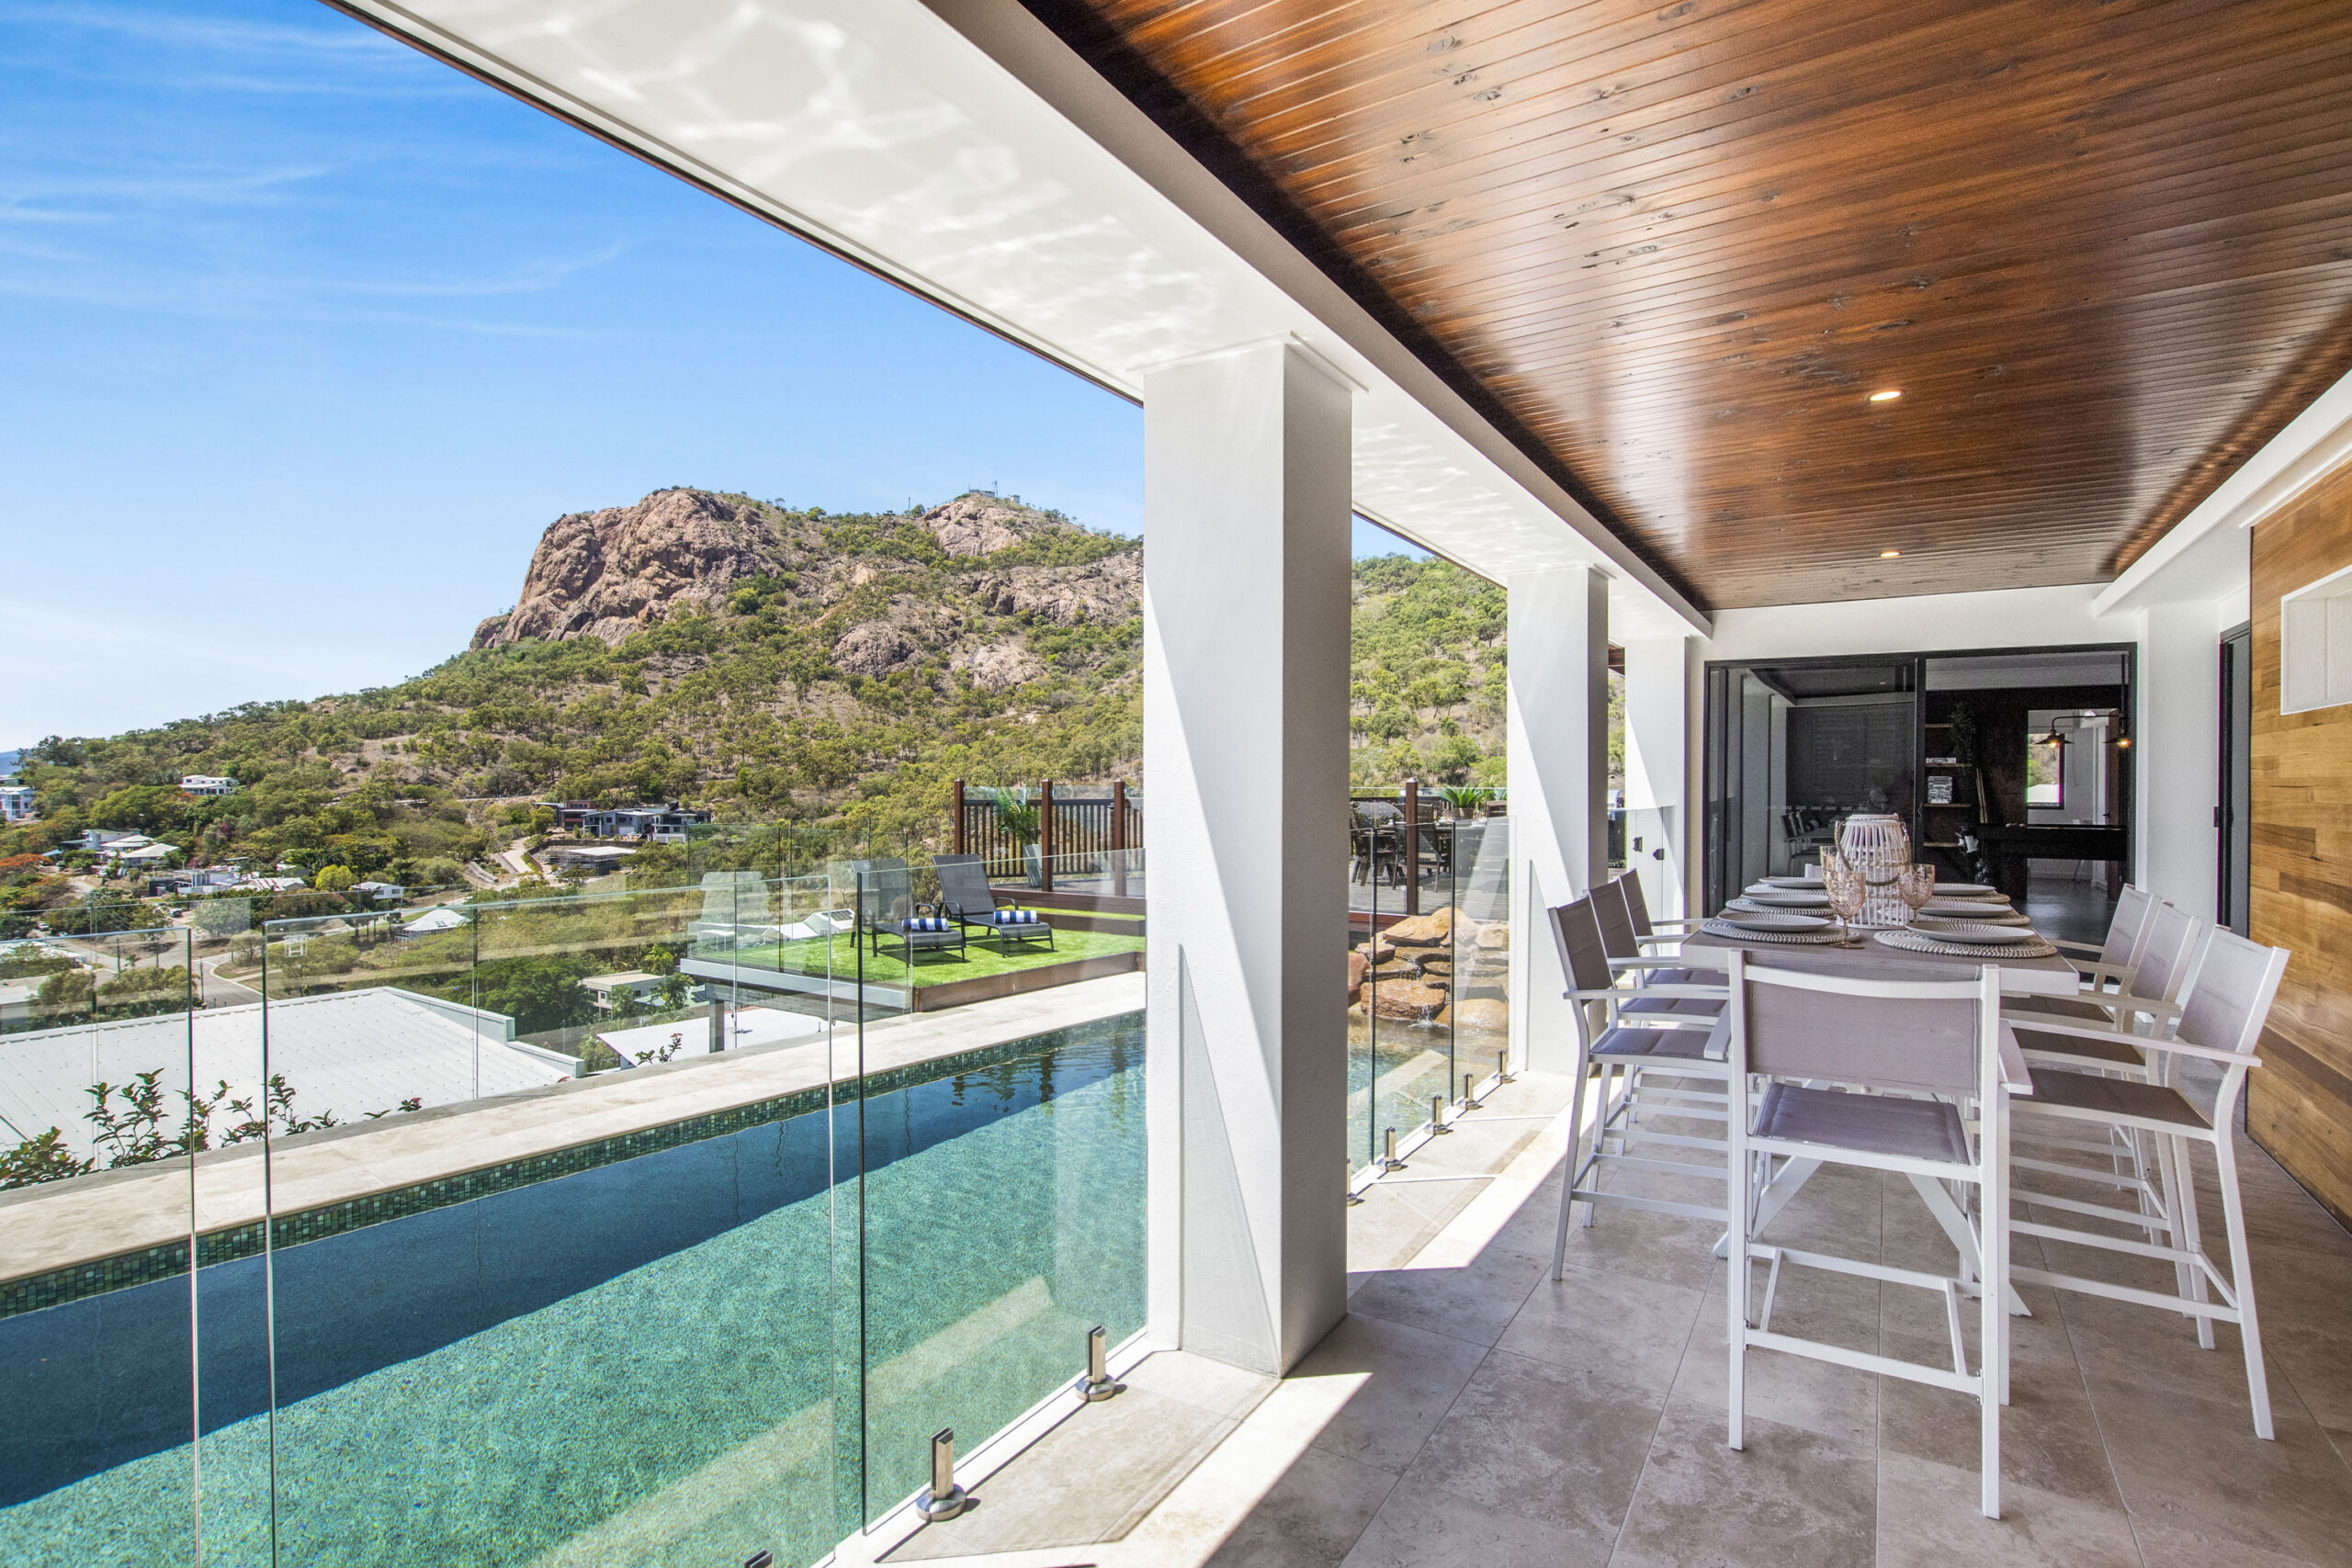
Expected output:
(1714, 680)
(2232, 826)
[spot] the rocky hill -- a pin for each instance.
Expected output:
(778, 665)
(993, 569)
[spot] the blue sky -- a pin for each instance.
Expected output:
(304, 338)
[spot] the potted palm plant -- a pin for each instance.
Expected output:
(1017, 815)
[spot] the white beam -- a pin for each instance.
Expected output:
(1658, 685)
(1245, 599)
(1558, 763)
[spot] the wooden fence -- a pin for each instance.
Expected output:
(1069, 830)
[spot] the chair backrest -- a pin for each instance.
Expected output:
(2129, 929)
(886, 891)
(964, 882)
(1637, 906)
(2236, 982)
(1893, 1026)
(2167, 954)
(1583, 959)
(1617, 936)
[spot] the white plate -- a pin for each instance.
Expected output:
(1797, 881)
(1771, 921)
(1990, 935)
(1961, 909)
(1962, 890)
(1790, 898)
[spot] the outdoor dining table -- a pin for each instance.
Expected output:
(2050, 977)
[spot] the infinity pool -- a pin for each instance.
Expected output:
(682, 1357)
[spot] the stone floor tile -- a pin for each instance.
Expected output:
(1793, 1391)
(2049, 1436)
(1475, 1303)
(2195, 1464)
(1621, 1327)
(1311, 1518)
(2163, 1546)
(2128, 1343)
(1665, 1247)
(1791, 1496)
(1211, 1385)
(1930, 1515)
(1423, 1526)
(1411, 1378)
(1561, 1447)
(1088, 1480)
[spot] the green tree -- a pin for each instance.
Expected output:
(333, 879)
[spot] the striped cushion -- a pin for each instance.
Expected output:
(1017, 917)
(924, 923)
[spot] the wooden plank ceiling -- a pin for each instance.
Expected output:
(2103, 250)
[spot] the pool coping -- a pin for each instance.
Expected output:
(100, 1232)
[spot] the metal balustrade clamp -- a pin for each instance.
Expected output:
(1437, 1115)
(1389, 1160)
(1348, 1185)
(1097, 1386)
(1503, 1066)
(942, 1499)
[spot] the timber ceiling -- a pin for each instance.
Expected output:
(2104, 251)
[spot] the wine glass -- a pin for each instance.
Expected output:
(1843, 880)
(1916, 883)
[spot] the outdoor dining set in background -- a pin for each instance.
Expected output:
(1861, 1013)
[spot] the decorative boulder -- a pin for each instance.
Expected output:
(1422, 930)
(1406, 1000)
(1484, 1014)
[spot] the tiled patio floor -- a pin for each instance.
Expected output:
(1476, 1413)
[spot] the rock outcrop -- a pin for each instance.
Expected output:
(605, 574)
(612, 573)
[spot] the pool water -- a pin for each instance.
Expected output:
(679, 1358)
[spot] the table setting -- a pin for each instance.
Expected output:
(1868, 892)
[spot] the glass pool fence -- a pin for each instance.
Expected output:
(641, 1228)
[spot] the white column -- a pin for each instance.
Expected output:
(1558, 760)
(2177, 747)
(1246, 512)
(1657, 688)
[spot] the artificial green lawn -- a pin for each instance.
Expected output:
(979, 958)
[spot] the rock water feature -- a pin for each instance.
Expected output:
(1428, 1001)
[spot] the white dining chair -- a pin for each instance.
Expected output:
(2163, 941)
(1634, 1062)
(2219, 1023)
(1911, 1052)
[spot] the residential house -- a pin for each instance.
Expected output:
(17, 803)
(204, 784)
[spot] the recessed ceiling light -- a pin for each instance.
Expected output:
(1888, 396)
(1888, 555)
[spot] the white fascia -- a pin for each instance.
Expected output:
(963, 151)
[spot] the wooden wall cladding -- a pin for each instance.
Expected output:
(2102, 248)
(2298, 1105)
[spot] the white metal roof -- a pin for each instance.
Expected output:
(347, 1053)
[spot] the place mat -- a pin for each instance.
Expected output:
(1918, 941)
(1751, 907)
(1731, 932)
(1994, 916)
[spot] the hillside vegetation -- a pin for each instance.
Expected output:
(779, 666)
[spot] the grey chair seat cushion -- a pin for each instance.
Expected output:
(2119, 1051)
(1662, 1045)
(1874, 1123)
(2065, 1008)
(1685, 1007)
(2058, 1090)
